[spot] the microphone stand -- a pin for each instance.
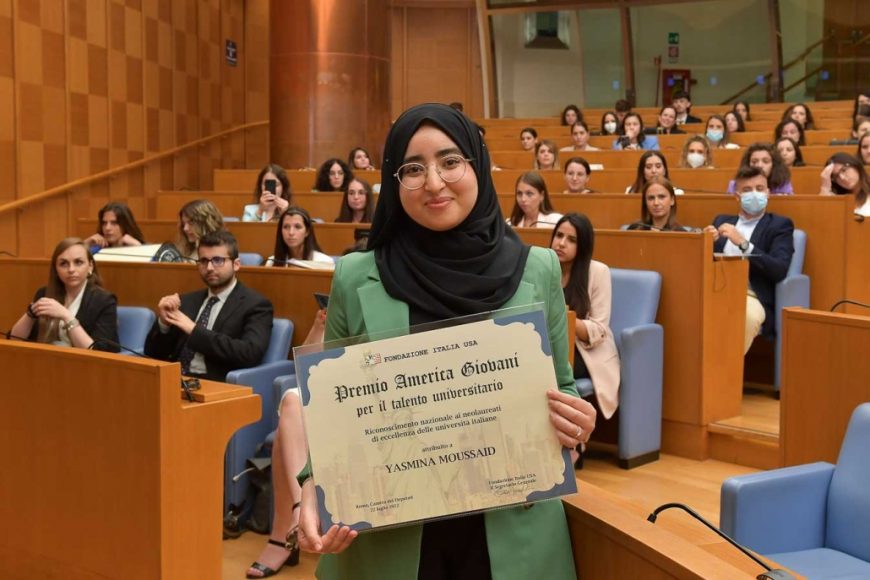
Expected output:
(769, 574)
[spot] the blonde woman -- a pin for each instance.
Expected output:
(196, 219)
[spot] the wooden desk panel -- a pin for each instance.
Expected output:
(702, 310)
(320, 205)
(857, 265)
(825, 375)
(333, 238)
(102, 453)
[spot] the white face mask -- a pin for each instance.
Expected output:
(695, 160)
(610, 127)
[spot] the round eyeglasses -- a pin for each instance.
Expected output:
(450, 168)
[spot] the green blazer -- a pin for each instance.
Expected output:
(529, 541)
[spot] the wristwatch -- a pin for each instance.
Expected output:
(744, 246)
(71, 324)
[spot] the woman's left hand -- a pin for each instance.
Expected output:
(573, 418)
(51, 308)
(281, 203)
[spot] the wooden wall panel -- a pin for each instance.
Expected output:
(442, 63)
(86, 85)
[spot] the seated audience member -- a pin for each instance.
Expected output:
(864, 148)
(333, 175)
(223, 327)
(196, 219)
(546, 156)
(359, 160)
(580, 138)
(295, 240)
(667, 123)
(767, 241)
(587, 287)
(289, 455)
(846, 175)
(696, 153)
(861, 99)
(742, 110)
(801, 113)
(528, 139)
(117, 228)
(570, 115)
(651, 164)
(682, 105)
(73, 309)
(357, 204)
(717, 133)
(577, 174)
(609, 124)
(272, 195)
(791, 129)
(766, 157)
(622, 108)
(860, 127)
(532, 206)
(658, 207)
(790, 152)
(633, 137)
(734, 122)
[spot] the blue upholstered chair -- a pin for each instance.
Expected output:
(640, 342)
(250, 259)
(245, 441)
(134, 324)
(813, 519)
(794, 290)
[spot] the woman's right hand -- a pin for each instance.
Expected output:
(96, 240)
(336, 539)
(267, 199)
(827, 173)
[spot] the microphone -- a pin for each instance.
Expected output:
(119, 346)
(847, 301)
(768, 574)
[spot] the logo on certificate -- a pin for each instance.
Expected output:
(370, 359)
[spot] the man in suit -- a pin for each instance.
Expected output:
(766, 239)
(223, 327)
(682, 105)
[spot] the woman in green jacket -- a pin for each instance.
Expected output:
(438, 249)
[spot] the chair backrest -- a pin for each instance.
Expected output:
(279, 343)
(800, 250)
(848, 525)
(250, 259)
(635, 299)
(134, 324)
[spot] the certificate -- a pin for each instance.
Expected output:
(434, 424)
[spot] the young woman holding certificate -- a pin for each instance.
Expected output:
(439, 248)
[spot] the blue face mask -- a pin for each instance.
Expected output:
(714, 135)
(753, 202)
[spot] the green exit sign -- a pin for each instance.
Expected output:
(673, 38)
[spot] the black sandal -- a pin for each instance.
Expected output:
(291, 544)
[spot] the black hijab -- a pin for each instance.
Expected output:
(474, 267)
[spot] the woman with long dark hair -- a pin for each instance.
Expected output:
(359, 160)
(650, 165)
(295, 239)
(800, 113)
(117, 228)
(357, 203)
(633, 136)
(439, 248)
(333, 175)
(844, 174)
(790, 152)
(766, 157)
(532, 205)
(73, 309)
(587, 288)
(658, 207)
(272, 195)
(791, 129)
